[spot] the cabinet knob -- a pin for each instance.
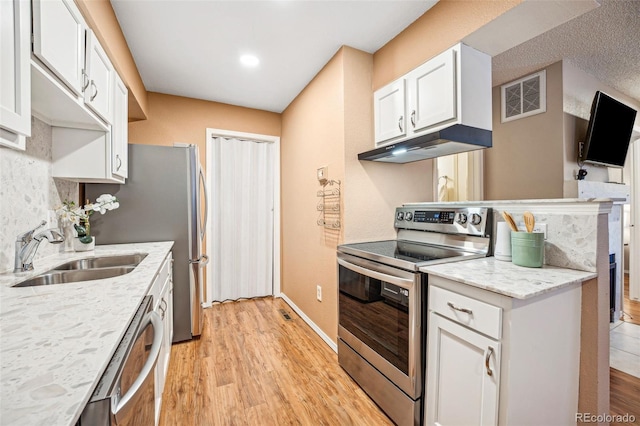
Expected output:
(413, 118)
(119, 162)
(400, 123)
(96, 91)
(486, 361)
(465, 310)
(85, 80)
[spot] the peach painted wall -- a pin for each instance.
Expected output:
(312, 137)
(329, 123)
(527, 157)
(372, 190)
(102, 20)
(179, 119)
(442, 26)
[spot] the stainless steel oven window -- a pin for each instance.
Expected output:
(380, 317)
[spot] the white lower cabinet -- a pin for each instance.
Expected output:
(497, 360)
(464, 367)
(162, 292)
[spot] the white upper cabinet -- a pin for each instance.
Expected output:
(119, 134)
(15, 77)
(59, 40)
(99, 93)
(451, 88)
(389, 111)
(432, 92)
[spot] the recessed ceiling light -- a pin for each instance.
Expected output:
(249, 61)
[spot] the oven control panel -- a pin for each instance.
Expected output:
(454, 220)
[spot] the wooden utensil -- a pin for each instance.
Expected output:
(509, 219)
(529, 221)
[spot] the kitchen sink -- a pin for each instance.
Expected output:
(62, 277)
(102, 262)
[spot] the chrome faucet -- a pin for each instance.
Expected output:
(27, 245)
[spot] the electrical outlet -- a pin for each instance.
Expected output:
(52, 219)
(539, 227)
(319, 293)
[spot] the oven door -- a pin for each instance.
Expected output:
(380, 315)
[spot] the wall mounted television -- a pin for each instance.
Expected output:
(608, 132)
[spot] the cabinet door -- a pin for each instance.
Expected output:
(432, 92)
(119, 131)
(59, 40)
(15, 73)
(160, 372)
(389, 112)
(99, 94)
(463, 374)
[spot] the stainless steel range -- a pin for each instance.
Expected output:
(382, 301)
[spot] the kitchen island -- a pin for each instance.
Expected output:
(56, 340)
(508, 279)
(503, 341)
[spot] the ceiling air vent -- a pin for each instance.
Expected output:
(524, 97)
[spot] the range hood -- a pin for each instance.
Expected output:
(451, 140)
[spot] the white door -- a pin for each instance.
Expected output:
(634, 242)
(463, 374)
(241, 230)
(388, 112)
(432, 92)
(58, 40)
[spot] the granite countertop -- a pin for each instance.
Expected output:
(509, 279)
(57, 340)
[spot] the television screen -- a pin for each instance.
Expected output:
(608, 132)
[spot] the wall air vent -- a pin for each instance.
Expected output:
(524, 97)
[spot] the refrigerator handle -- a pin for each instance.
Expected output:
(203, 221)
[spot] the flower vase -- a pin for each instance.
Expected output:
(80, 246)
(69, 235)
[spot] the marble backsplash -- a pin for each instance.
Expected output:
(28, 191)
(571, 239)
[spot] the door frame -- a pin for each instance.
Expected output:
(634, 242)
(210, 134)
(474, 169)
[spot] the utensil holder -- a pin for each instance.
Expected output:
(527, 249)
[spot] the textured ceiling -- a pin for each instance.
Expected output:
(604, 42)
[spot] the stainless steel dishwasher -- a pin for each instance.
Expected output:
(125, 393)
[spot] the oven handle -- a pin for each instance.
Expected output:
(148, 368)
(400, 282)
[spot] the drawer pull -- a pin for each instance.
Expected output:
(486, 361)
(465, 310)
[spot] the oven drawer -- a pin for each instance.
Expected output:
(477, 315)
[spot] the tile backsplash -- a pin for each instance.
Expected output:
(28, 191)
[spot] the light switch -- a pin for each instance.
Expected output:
(323, 174)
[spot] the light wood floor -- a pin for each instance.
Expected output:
(253, 367)
(630, 307)
(625, 388)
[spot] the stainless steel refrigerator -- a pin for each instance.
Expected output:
(160, 201)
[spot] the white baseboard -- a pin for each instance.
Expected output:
(333, 345)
